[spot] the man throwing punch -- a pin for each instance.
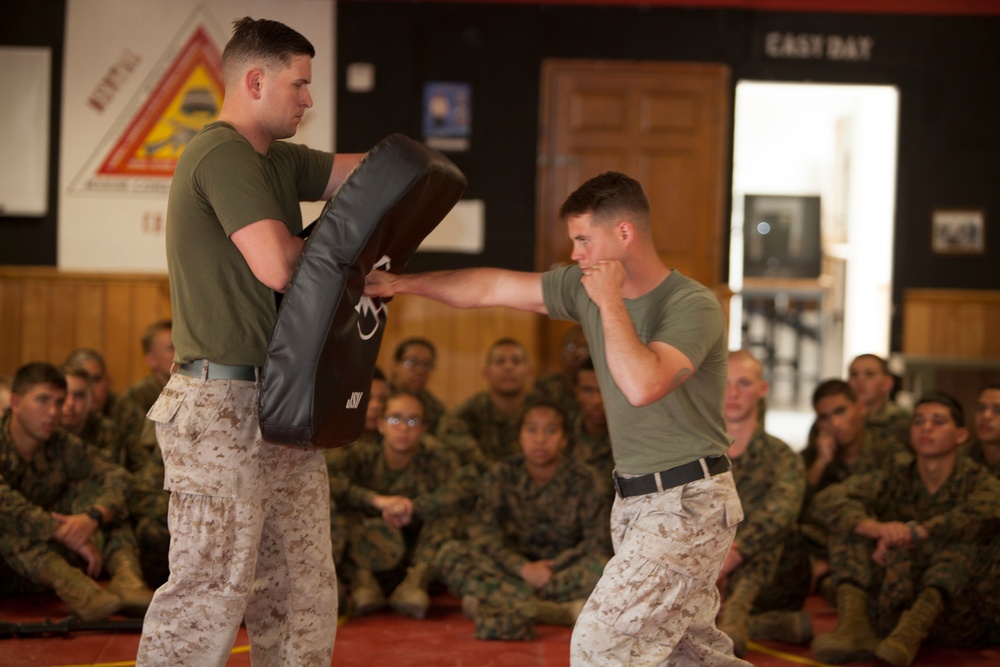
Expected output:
(249, 521)
(658, 342)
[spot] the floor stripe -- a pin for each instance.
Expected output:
(131, 663)
(784, 656)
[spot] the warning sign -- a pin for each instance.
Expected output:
(186, 96)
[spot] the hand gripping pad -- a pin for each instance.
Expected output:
(315, 384)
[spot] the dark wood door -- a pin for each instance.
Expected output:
(666, 125)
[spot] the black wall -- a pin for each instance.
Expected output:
(32, 241)
(945, 68)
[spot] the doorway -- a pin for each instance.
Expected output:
(795, 145)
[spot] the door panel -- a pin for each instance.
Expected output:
(664, 124)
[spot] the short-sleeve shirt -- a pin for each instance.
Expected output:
(221, 312)
(686, 424)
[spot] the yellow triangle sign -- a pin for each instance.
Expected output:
(187, 96)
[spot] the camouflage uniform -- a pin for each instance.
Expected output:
(771, 481)
(518, 521)
(148, 502)
(890, 422)
(594, 451)
(338, 488)
(878, 449)
(962, 518)
(133, 427)
(250, 534)
(678, 618)
(359, 473)
(143, 393)
(974, 450)
(477, 433)
(553, 388)
(109, 438)
(67, 476)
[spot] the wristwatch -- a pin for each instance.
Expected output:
(96, 515)
(914, 535)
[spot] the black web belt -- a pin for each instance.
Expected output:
(668, 479)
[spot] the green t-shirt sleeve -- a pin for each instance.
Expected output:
(689, 334)
(312, 166)
(232, 180)
(561, 292)
(235, 182)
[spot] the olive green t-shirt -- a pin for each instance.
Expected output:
(221, 312)
(687, 423)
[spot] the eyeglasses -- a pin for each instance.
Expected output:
(418, 363)
(396, 420)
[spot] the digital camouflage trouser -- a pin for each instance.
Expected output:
(250, 531)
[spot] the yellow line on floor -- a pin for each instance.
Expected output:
(131, 663)
(784, 656)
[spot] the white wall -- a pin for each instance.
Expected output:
(839, 142)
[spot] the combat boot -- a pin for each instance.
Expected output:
(791, 627)
(410, 598)
(82, 595)
(735, 616)
(366, 593)
(127, 583)
(853, 640)
(558, 613)
(901, 646)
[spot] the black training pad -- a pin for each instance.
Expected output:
(315, 384)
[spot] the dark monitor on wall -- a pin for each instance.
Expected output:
(781, 236)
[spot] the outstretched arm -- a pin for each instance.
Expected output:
(464, 288)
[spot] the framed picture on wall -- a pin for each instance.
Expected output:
(958, 231)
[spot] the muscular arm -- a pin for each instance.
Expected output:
(465, 288)
(270, 251)
(644, 373)
(343, 164)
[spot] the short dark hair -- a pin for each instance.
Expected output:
(536, 402)
(506, 340)
(149, 334)
(834, 387)
(608, 194)
(948, 401)
(35, 373)
(263, 41)
(82, 354)
(882, 363)
(399, 393)
(413, 340)
(77, 370)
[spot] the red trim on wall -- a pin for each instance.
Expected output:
(937, 7)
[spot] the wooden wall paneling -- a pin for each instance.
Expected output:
(951, 323)
(90, 314)
(11, 326)
(119, 339)
(35, 331)
(61, 319)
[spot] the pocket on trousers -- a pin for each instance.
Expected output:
(166, 406)
(202, 522)
(649, 591)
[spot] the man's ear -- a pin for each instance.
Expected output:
(254, 82)
(962, 435)
(625, 231)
